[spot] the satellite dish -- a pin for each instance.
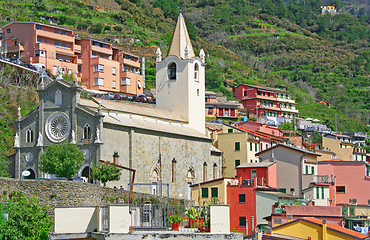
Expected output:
(26, 173)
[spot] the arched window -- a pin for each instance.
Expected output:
(87, 131)
(172, 69)
(58, 98)
(29, 135)
(196, 72)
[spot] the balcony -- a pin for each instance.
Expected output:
(131, 63)
(15, 48)
(55, 36)
(98, 49)
(77, 48)
(284, 100)
(289, 110)
(268, 107)
(323, 179)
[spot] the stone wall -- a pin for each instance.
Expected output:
(69, 193)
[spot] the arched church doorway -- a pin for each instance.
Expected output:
(32, 174)
(86, 172)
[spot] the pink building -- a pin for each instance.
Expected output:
(264, 173)
(219, 109)
(99, 65)
(265, 101)
(284, 214)
(260, 127)
(352, 180)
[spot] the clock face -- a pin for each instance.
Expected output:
(57, 127)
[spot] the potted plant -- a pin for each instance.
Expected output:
(193, 216)
(175, 221)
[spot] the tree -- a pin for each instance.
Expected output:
(63, 160)
(106, 173)
(27, 219)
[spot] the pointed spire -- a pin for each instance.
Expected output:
(158, 55)
(202, 55)
(181, 40)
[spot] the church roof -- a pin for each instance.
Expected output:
(153, 119)
(181, 40)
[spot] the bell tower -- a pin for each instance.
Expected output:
(180, 79)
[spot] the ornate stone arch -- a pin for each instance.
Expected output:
(154, 173)
(190, 174)
(196, 72)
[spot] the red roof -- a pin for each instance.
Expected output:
(262, 134)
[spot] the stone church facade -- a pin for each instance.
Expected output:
(164, 144)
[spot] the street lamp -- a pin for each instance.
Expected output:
(115, 157)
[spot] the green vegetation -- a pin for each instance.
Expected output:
(27, 219)
(106, 173)
(260, 42)
(63, 160)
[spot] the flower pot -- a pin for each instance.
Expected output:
(175, 226)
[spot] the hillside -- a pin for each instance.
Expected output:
(267, 42)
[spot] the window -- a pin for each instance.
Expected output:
(253, 174)
(56, 43)
(283, 190)
(56, 31)
(322, 193)
(98, 68)
(99, 81)
(317, 193)
(60, 57)
(93, 54)
(268, 94)
(241, 198)
(55, 70)
(113, 71)
(66, 58)
(38, 27)
(172, 68)
(258, 92)
(230, 130)
(39, 40)
(87, 131)
(264, 93)
(69, 71)
(237, 146)
(368, 171)
(204, 171)
(114, 84)
(63, 32)
(204, 192)
(174, 170)
(250, 146)
(237, 163)
(52, 54)
(214, 192)
(101, 56)
(8, 30)
(29, 135)
(341, 189)
(198, 92)
(126, 81)
(46, 41)
(242, 221)
(64, 45)
(256, 147)
(196, 72)
(312, 170)
(58, 98)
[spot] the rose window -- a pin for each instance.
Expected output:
(58, 127)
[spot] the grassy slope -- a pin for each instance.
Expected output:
(242, 47)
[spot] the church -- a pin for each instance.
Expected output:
(165, 144)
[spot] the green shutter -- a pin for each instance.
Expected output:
(256, 147)
(250, 146)
(214, 192)
(317, 193)
(230, 130)
(306, 169)
(237, 163)
(312, 170)
(237, 146)
(322, 193)
(204, 192)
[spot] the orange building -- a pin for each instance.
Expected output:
(99, 65)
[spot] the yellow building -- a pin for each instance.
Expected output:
(315, 229)
(238, 147)
(211, 189)
(339, 144)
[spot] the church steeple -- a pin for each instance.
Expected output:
(181, 44)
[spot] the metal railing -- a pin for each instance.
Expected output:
(158, 217)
